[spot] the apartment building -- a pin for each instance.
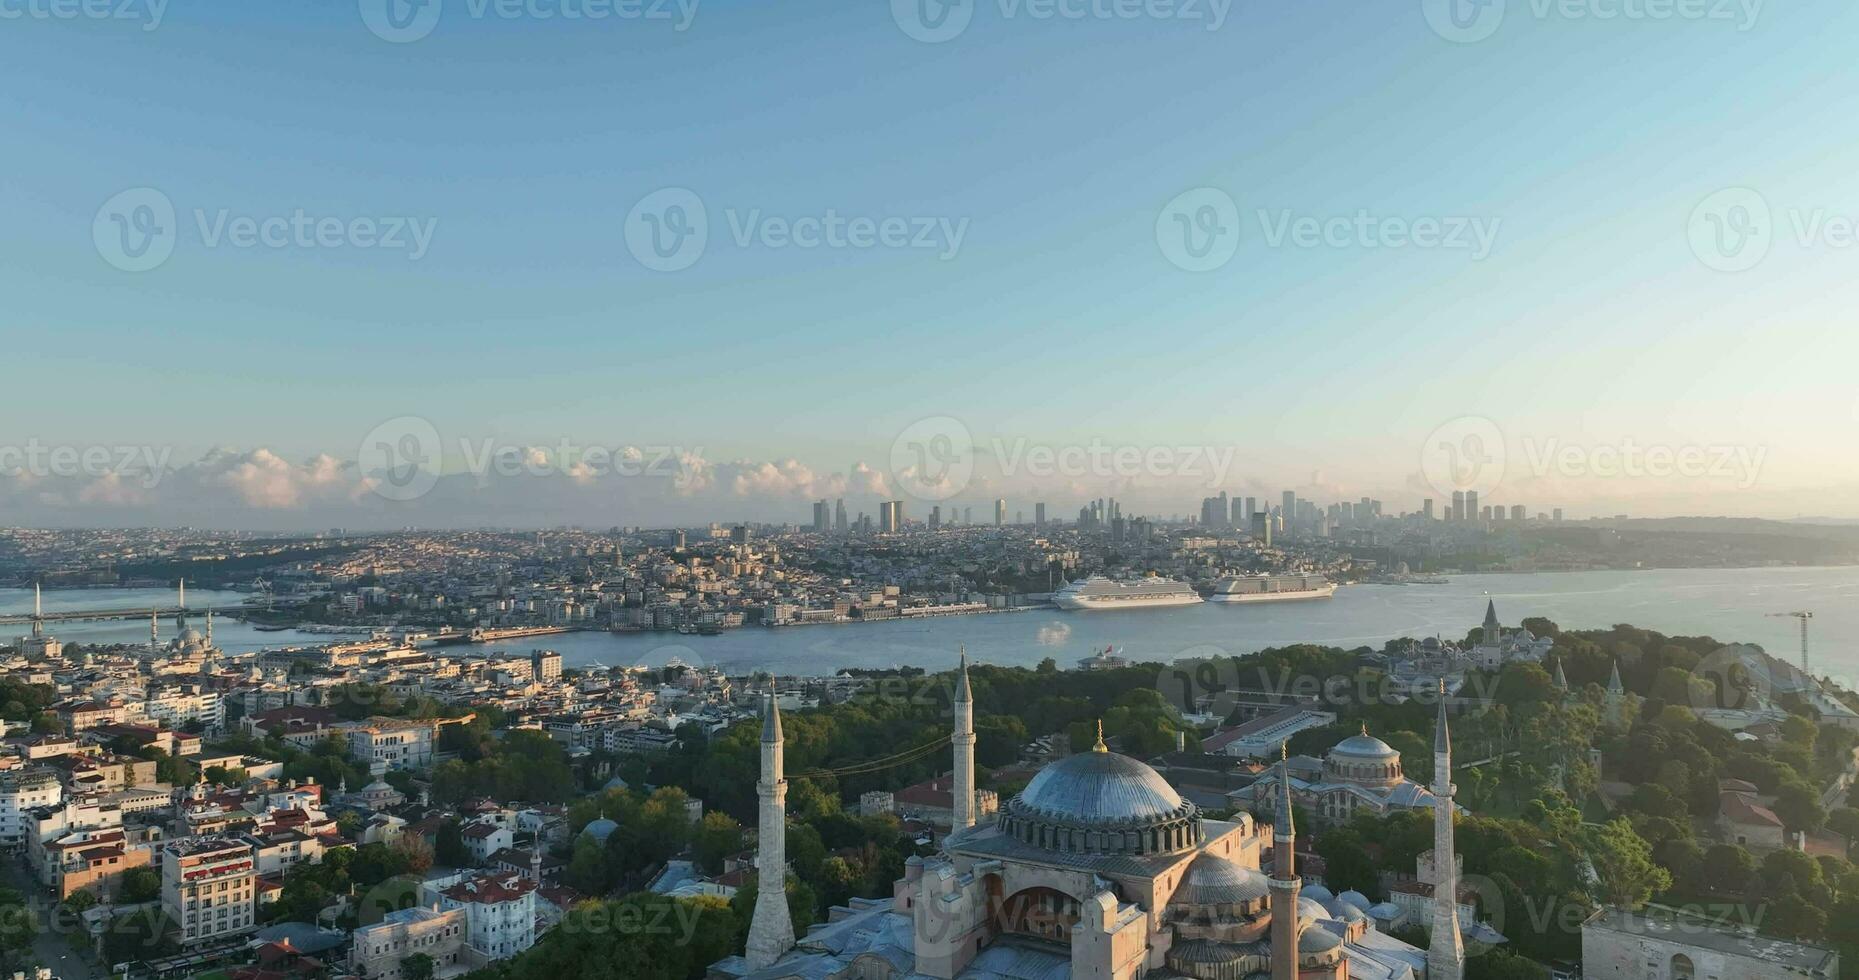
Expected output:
(47, 825)
(208, 887)
(180, 704)
(94, 861)
(78, 715)
(21, 790)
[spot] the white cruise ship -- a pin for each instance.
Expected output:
(1099, 592)
(1272, 588)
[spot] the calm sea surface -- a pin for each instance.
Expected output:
(1729, 604)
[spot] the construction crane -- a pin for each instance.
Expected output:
(1803, 617)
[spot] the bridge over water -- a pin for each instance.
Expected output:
(83, 615)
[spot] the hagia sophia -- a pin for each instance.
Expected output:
(1098, 869)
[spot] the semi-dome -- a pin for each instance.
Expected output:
(1214, 880)
(1316, 939)
(1099, 802)
(1101, 787)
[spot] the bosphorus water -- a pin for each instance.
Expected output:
(1731, 605)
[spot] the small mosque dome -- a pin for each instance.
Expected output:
(600, 829)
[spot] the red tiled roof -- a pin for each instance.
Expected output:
(1738, 808)
(488, 890)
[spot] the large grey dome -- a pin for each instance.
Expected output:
(1365, 746)
(1099, 802)
(1101, 787)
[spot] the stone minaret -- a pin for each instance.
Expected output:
(154, 634)
(964, 739)
(1615, 701)
(38, 613)
(1285, 883)
(1446, 955)
(771, 932)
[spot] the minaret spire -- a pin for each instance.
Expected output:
(38, 613)
(964, 740)
(1285, 883)
(1446, 953)
(771, 932)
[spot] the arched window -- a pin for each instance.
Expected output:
(1682, 968)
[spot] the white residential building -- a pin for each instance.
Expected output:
(177, 705)
(21, 790)
(500, 911)
(208, 887)
(392, 743)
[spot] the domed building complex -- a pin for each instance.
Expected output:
(1360, 774)
(1097, 869)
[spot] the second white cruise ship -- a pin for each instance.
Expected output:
(1272, 588)
(1099, 592)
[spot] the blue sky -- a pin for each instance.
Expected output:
(1584, 143)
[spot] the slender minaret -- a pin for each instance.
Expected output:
(1446, 955)
(38, 613)
(209, 629)
(1561, 679)
(964, 739)
(1615, 700)
(1285, 883)
(154, 633)
(771, 932)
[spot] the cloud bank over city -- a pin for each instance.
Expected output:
(535, 486)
